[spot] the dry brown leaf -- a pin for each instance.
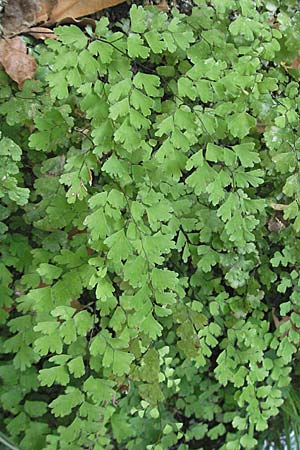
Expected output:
(22, 15)
(75, 231)
(275, 225)
(77, 305)
(79, 8)
(260, 127)
(278, 206)
(42, 33)
(79, 22)
(19, 15)
(16, 62)
(295, 63)
(274, 22)
(284, 319)
(275, 318)
(163, 6)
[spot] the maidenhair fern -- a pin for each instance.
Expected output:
(150, 216)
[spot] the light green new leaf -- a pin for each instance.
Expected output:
(151, 327)
(64, 312)
(154, 41)
(214, 153)
(248, 442)
(240, 124)
(137, 18)
(135, 271)
(136, 48)
(150, 83)
(119, 246)
(164, 279)
(186, 88)
(140, 101)
(121, 362)
(63, 404)
(96, 223)
(76, 367)
(119, 109)
(67, 331)
(246, 154)
(72, 35)
(98, 345)
(49, 343)
(98, 389)
(54, 375)
(103, 49)
(83, 322)
(118, 319)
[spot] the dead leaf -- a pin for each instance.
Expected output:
(24, 16)
(275, 225)
(260, 127)
(77, 305)
(8, 309)
(16, 62)
(124, 388)
(89, 251)
(275, 318)
(163, 6)
(19, 15)
(42, 33)
(294, 64)
(273, 20)
(284, 319)
(75, 231)
(79, 22)
(278, 206)
(79, 8)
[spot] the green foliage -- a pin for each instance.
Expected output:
(149, 223)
